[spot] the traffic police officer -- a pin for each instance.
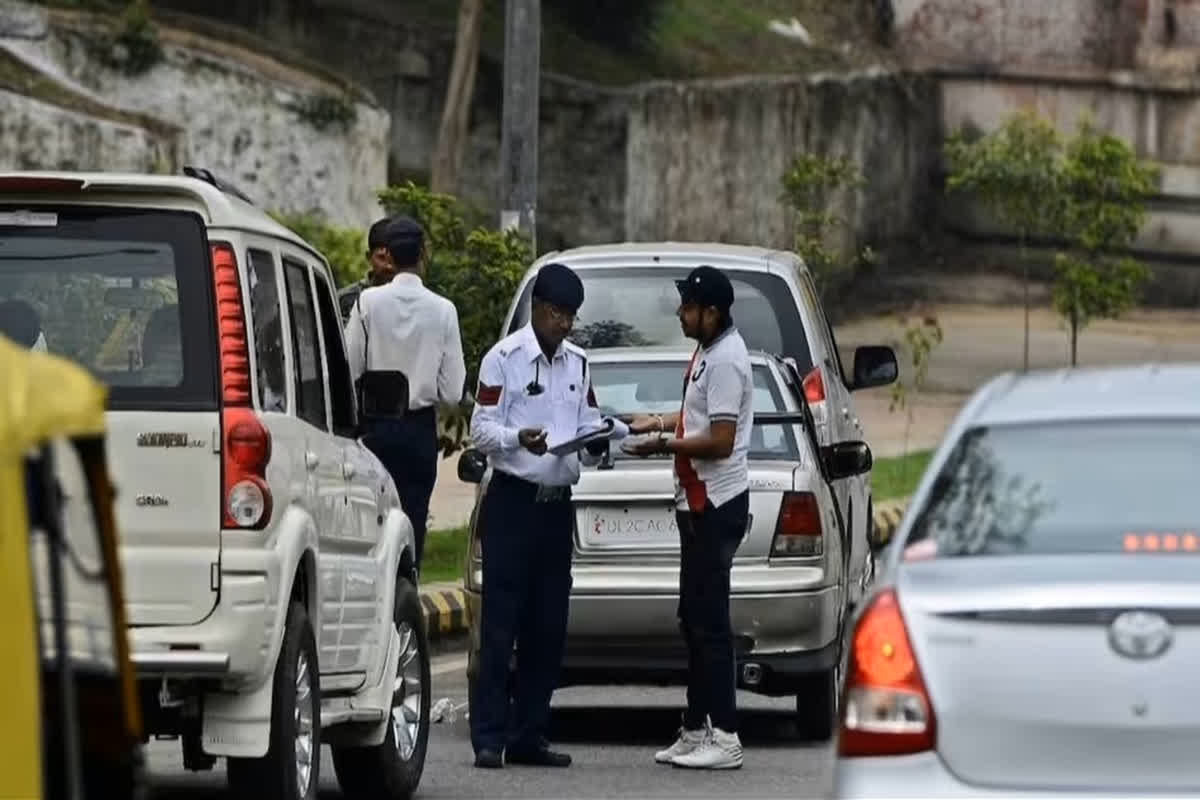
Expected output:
(404, 326)
(534, 392)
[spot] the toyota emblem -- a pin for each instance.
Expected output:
(1140, 635)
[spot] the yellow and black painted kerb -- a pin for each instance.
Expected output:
(445, 612)
(887, 519)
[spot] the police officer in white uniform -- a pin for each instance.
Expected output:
(534, 392)
(403, 325)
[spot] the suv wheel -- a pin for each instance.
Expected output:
(291, 768)
(392, 769)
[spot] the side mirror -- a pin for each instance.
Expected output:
(846, 459)
(471, 466)
(874, 365)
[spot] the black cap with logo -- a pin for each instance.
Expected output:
(706, 286)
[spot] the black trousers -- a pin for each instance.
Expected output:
(707, 543)
(526, 590)
(409, 451)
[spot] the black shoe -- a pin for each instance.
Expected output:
(540, 757)
(488, 759)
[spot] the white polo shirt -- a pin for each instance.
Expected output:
(717, 387)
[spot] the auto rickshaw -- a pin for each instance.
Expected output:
(72, 722)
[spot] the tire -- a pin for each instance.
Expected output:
(390, 770)
(295, 713)
(816, 706)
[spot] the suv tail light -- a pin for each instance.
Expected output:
(245, 442)
(814, 386)
(798, 531)
(886, 710)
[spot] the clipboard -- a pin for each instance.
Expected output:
(583, 440)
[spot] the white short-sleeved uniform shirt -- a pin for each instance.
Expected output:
(718, 387)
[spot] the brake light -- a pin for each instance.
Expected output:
(886, 708)
(814, 386)
(798, 531)
(29, 184)
(245, 441)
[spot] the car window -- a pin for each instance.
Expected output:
(824, 329)
(657, 388)
(1081, 487)
(306, 353)
(635, 306)
(268, 331)
(341, 387)
(126, 293)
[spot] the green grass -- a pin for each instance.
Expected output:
(896, 478)
(445, 555)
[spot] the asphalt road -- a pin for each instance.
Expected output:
(612, 734)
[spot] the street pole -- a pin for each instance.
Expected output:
(519, 126)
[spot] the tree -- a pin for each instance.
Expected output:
(456, 114)
(807, 186)
(1017, 172)
(478, 269)
(1105, 189)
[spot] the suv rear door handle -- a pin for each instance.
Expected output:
(348, 470)
(311, 460)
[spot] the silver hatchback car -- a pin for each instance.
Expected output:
(789, 578)
(1035, 629)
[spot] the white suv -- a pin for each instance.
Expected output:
(272, 598)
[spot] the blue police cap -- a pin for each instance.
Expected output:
(558, 285)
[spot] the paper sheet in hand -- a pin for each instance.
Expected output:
(584, 439)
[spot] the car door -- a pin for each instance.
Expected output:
(325, 487)
(358, 538)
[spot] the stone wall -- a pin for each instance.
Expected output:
(238, 112)
(705, 160)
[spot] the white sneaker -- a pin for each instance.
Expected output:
(720, 750)
(686, 743)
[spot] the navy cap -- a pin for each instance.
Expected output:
(404, 238)
(560, 286)
(706, 286)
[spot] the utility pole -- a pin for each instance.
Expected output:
(519, 126)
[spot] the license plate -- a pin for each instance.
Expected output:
(623, 526)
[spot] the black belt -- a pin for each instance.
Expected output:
(541, 493)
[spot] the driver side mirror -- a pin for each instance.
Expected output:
(472, 464)
(874, 365)
(847, 459)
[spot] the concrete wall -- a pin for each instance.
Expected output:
(236, 109)
(706, 159)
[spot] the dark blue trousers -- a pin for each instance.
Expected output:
(409, 451)
(526, 590)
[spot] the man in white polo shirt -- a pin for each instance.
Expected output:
(710, 443)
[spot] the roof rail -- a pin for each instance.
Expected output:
(200, 173)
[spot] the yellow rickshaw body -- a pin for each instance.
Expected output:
(42, 397)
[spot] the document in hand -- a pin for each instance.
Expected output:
(583, 440)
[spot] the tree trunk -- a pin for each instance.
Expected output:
(1025, 290)
(456, 114)
(1074, 339)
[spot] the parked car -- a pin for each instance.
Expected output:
(271, 595)
(789, 579)
(1033, 632)
(631, 302)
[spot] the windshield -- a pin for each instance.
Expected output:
(1093, 487)
(657, 387)
(635, 307)
(125, 293)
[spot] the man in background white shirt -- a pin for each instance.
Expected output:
(402, 325)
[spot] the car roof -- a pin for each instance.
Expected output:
(1147, 391)
(671, 254)
(221, 209)
(632, 355)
